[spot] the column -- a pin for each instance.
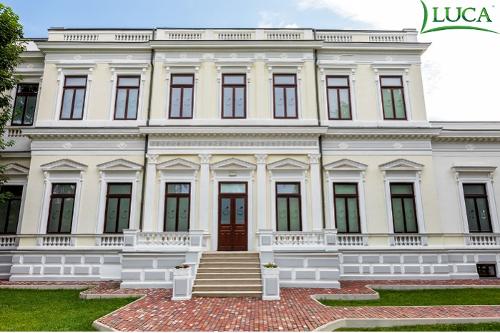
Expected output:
(147, 216)
(204, 212)
(261, 192)
(316, 188)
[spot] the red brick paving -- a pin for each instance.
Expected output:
(296, 311)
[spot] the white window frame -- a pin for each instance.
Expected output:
(393, 70)
(17, 176)
(346, 171)
(117, 71)
(181, 69)
(223, 69)
(350, 72)
(286, 69)
(477, 175)
(76, 70)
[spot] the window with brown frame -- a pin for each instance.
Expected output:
(181, 96)
(476, 205)
(62, 202)
(127, 97)
(233, 96)
(288, 207)
(117, 215)
(338, 97)
(177, 206)
(73, 98)
(346, 207)
(285, 96)
(10, 207)
(24, 104)
(393, 100)
(403, 208)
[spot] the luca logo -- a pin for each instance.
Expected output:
(466, 16)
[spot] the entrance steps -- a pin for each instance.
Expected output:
(228, 274)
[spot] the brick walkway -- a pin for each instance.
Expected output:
(296, 311)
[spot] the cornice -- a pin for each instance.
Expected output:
(246, 131)
(399, 133)
(81, 133)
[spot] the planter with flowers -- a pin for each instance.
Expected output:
(183, 283)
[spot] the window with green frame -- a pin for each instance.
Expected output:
(118, 199)
(476, 205)
(288, 210)
(177, 205)
(403, 208)
(393, 101)
(346, 207)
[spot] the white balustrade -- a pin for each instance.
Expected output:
(347, 240)
(408, 240)
(132, 37)
(81, 37)
(163, 239)
(184, 35)
(236, 35)
(55, 241)
(298, 238)
(283, 35)
(387, 38)
(334, 37)
(14, 132)
(8, 241)
(482, 240)
(109, 240)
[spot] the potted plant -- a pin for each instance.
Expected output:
(270, 269)
(182, 270)
(271, 282)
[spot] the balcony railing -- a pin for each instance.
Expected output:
(482, 240)
(163, 239)
(109, 240)
(352, 240)
(55, 240)
(408, 240)
(8, 242)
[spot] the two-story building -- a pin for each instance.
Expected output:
(137, 150)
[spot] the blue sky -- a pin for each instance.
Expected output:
(454, 60)
(38, 16)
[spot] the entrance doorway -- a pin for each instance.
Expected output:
(233, 215)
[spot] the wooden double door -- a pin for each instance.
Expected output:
(233, 216)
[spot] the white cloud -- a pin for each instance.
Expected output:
(269, 19)
(461, 69)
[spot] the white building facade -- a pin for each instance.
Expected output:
(137, 150)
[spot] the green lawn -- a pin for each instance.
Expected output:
(470, 296)
(51, 310)
(435, 328)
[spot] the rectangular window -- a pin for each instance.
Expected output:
(24, 104)
(118, 199)
(346, 207)
(285, 95)
(62, 202)
(476, 205)
(393, 100)
(339, 97)
(403, 208)
(177, 206)
(233, 96)
(10, 208)
(73, 97)
(288, 208)
(127, 97)
(181, 96)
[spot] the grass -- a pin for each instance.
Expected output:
(468, 296)
(495, 326)
(52, 310)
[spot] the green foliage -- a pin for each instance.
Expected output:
(11, 47)
(432, 328)
(52, 310)
(469, 296)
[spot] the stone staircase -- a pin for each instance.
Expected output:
(228, 274)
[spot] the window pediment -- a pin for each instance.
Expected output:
(474, 169)
(288, 164)
(119, 165)
(347, 165)
(15, 169)
(178, 164)
(63, 165)
(401, 165)
(233, 164)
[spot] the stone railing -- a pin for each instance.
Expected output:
(297, 240)
(14, 132)
(55, 240)
(163, 239)
(350, 240)
(482, 239)
(405, 36)
(404, 240)
(109, 240)
(8, 242)
(134, 239)
(86, 36)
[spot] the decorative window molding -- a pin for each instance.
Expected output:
(287, 164)
(188, 67)
(17, 175)
(126, 69)
(63, 165)
(118, 171)
(346, 171)
(178, 164)
(76, 69)
(336, 70)
(286, 68)
(15, 169)
(477, 174)
(392, 70)
(235, 68)
(233, 164)
(403, 171)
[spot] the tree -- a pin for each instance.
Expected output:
(11, 47)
